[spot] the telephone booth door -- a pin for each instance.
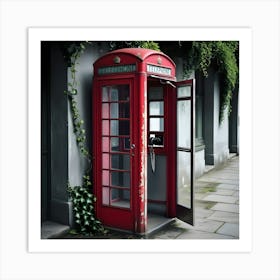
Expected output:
(170, 183)
(142, 141)
(185, 151)
(115, 152)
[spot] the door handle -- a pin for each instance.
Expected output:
(132, 147)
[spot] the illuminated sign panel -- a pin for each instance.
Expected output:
(158, 70)
(116, 69)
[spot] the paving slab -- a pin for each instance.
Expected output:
(202, 213)
(207, 225)
(227, 217)
(200, 196)
(229, 229)
(53, 230)
(225, 181)
(236, 194)
(224, 192)
(195, 234)
(220, 198)
(228, 186)
(226, 207)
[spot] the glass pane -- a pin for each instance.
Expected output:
(119, 110)
(119, 93)
(119, 127)
(105, 195)
(184, 179)
(121, 162)
(114, 110)
(120, 179)
(114, 127)
(156, 108)
(114, 93)
(105, 144)
(155, 93)
(105, 177)
(120, 144)
(105, 94)
(115, 144)
(156, 124)
(124, 110)
(184, 123)
(123, 92)
(105, 161)
(184, 91)
(120, 198)
(105, 127)
(105, 110)
(126, 143)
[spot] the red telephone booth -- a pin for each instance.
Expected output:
(143, 139)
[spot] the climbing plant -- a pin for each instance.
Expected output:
(224, 56)
(82, 197)
(134, 44)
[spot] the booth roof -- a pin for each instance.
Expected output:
(140, 53)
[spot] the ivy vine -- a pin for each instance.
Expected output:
(134, 44)
(82, 197)
(224, 56)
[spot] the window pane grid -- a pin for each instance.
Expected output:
(116, 181)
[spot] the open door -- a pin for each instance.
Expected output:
(185, 151)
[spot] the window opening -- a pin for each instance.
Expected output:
(115, 114)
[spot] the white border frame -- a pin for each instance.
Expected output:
(36, 35)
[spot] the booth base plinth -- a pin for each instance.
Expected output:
(155, 223)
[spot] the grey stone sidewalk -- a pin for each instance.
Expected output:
(216, 207)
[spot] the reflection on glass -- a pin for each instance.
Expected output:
(105, 127)
(120, 198)
(114, 127)
(115, 144)
(105, 110)
(183, 123)
(155, 93)
(105, 94)
(115, 93)
(105, 177)
(120, 144)
(105, 144)
(184, 179)
(119, 127)
(119, 93)
(156, 108)
(105, 161)
(114, 110)
(184, 91)
(119, 110)
(120, 161)
(105, 195)
(156, 124)
(120, 179)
